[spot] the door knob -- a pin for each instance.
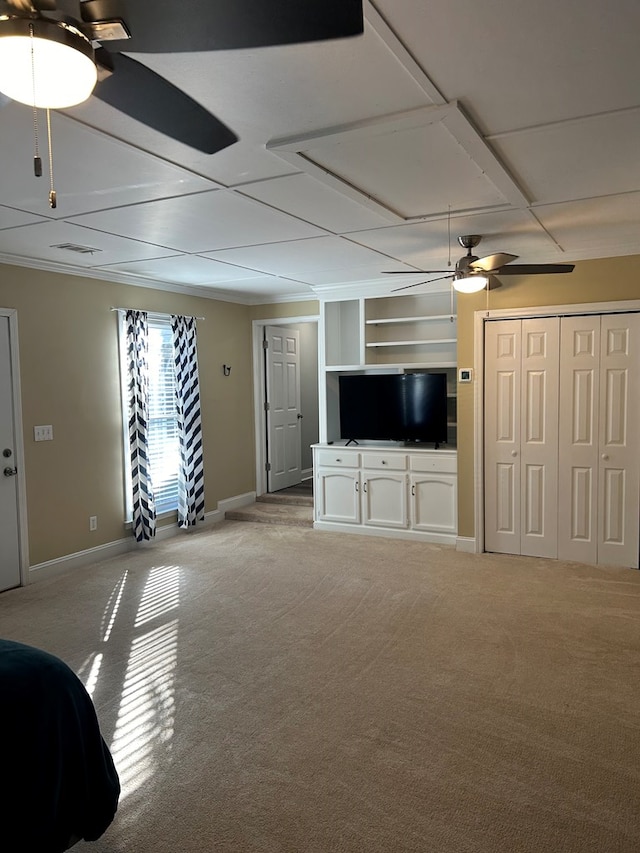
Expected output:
(10, 472)
(514, 452)
(7, 452)
(300, 416)
(605, 456)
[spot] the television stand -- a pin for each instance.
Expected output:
(386, 491)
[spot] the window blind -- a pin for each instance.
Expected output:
(164, 446)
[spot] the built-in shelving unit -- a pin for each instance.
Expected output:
(386, 333)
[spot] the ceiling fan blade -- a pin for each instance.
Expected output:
(142, 94)
(166, 26)
(413, 272)
(417, 284)
(493, 262)
(534, 269)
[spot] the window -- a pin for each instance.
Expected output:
(164, 448)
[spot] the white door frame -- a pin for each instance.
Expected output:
(480, 317)
(23, 539)
(258, 390)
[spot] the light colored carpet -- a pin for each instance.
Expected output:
(273, 689)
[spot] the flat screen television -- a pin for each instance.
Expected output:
(407, 407)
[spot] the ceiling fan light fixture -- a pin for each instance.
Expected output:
(61, 69)
(470, 283)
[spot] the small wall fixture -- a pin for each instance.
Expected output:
(226, 369)
(470, 283)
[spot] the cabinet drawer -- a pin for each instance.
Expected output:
(338, 458)
(434, 462)
(384, 461)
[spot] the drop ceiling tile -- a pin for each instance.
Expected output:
(10, 218)
(425, 245)
(522, 64)
(201, 223)
(417, 172)
(301, 257)
(185, 269)
(92, 171)
(308, 199)
(347, 275)
(42, 239)
(596, 156)
(592, 228)
(266, 288)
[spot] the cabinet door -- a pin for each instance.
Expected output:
(384, 499)
(433, 502)
(338, 496)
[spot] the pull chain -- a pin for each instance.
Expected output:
(53, 202)
(37, 160)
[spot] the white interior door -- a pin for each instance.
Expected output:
(578, 439)
(539, 437)
(502, 436)
(284, 466)
(619, 465)
(9, 529)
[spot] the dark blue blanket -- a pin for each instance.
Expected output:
(58, 781)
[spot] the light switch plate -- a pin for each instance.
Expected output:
(43, 433)
(465, 374)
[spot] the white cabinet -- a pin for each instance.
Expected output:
(434, 485)
(386, 491)
(337, 485)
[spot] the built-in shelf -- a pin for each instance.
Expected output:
(411, 343)
(407, 333)
(428, 319)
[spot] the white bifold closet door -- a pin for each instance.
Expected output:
(521, 436)
(562, 403)
(598, 499)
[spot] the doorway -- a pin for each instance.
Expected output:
(308, 425)
(13, 538)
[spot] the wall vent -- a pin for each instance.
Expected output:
(74, 247)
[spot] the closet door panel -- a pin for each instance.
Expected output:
(619, 423)
(502, 436)
(539, 437)
(578, 439)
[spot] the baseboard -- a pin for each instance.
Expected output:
(50, 568)
(80, 559)
(466, 544)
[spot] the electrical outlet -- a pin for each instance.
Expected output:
(43, 433)
(93, 522)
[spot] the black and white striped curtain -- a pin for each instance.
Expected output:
(191, 473)
(144, 512)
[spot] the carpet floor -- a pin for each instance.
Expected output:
(278, 689)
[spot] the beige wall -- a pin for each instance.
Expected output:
(70, 379)
(592, 281)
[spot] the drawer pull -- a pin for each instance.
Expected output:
(338, 459)
(384, 461)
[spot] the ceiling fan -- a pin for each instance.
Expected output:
(472, 273)
(92, 33)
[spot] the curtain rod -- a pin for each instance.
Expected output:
(156, 313)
